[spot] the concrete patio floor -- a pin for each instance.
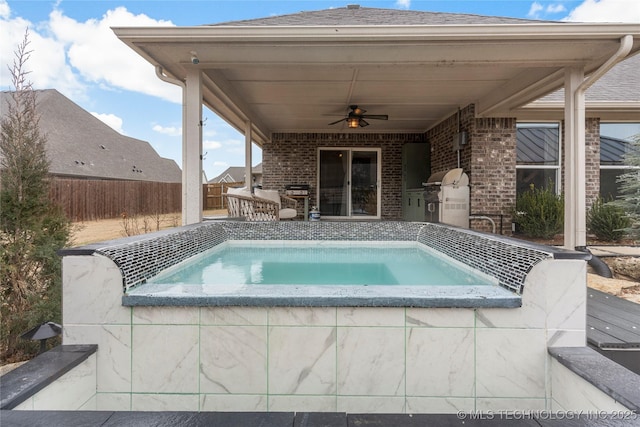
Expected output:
(615, 251)
(305, 419)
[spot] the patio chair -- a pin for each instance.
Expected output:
(242, 204)
(288, 212)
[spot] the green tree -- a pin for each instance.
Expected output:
(629, 198)
(32, 229)
(539, 212)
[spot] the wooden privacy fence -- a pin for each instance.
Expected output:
(213, 192)
(84, 200)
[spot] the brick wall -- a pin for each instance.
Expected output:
(493, 171)
(441, 137)
(592, 158)
(292, 158)
(489, 158)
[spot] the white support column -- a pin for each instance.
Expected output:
(192, 150)
(248, 178)
(575, 215)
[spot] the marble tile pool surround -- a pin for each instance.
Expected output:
(502, 258)
(350, 359)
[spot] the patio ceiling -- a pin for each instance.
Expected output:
(299, 79)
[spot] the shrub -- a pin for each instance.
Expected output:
(539, 212)
(607, 221)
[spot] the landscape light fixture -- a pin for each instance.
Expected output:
(42, 333)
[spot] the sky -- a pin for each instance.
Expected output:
(75, 52)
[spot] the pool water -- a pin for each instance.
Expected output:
(325, 264)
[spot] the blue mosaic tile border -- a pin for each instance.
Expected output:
(145, 258)
(323, 230)
(509, 263)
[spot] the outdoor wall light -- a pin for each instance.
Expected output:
(194, 58)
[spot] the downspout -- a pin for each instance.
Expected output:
(626, 43)
(164, 78)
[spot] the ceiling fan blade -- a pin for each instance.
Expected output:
(337, 121)
(376, 116)
(363, 123)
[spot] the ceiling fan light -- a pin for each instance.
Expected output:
(353, 122)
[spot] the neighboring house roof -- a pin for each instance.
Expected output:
(356, 15)
(620, 84)
(231, 174)
(80, 145)
(236, 174)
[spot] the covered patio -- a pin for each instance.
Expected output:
(282, 81)
(279, 352)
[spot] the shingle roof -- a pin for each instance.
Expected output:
(352, 15)
(620, 84)
(236, 174)
(80, 145)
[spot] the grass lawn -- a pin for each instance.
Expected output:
(88, 232)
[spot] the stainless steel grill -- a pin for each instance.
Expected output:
(447, 198)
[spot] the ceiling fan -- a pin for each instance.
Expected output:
(356, 117)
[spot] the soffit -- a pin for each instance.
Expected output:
(299, 79)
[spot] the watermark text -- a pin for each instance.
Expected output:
(548, 415)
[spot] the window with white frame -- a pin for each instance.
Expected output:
(537, 156)
(615, 143)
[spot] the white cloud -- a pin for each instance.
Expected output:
(5, 12)
(555, 8)
(170, 130)
(218, 166)
(235, 142)
(606, 11)
(211, 145)
(112, 120)
(534, 10)
(405, 4)
(68, 54)
(98, 55)
(46, 65)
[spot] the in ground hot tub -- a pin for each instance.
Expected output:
(361, 347)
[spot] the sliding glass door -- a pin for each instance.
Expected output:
(348, 182)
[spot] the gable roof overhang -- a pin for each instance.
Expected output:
(300, 78)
